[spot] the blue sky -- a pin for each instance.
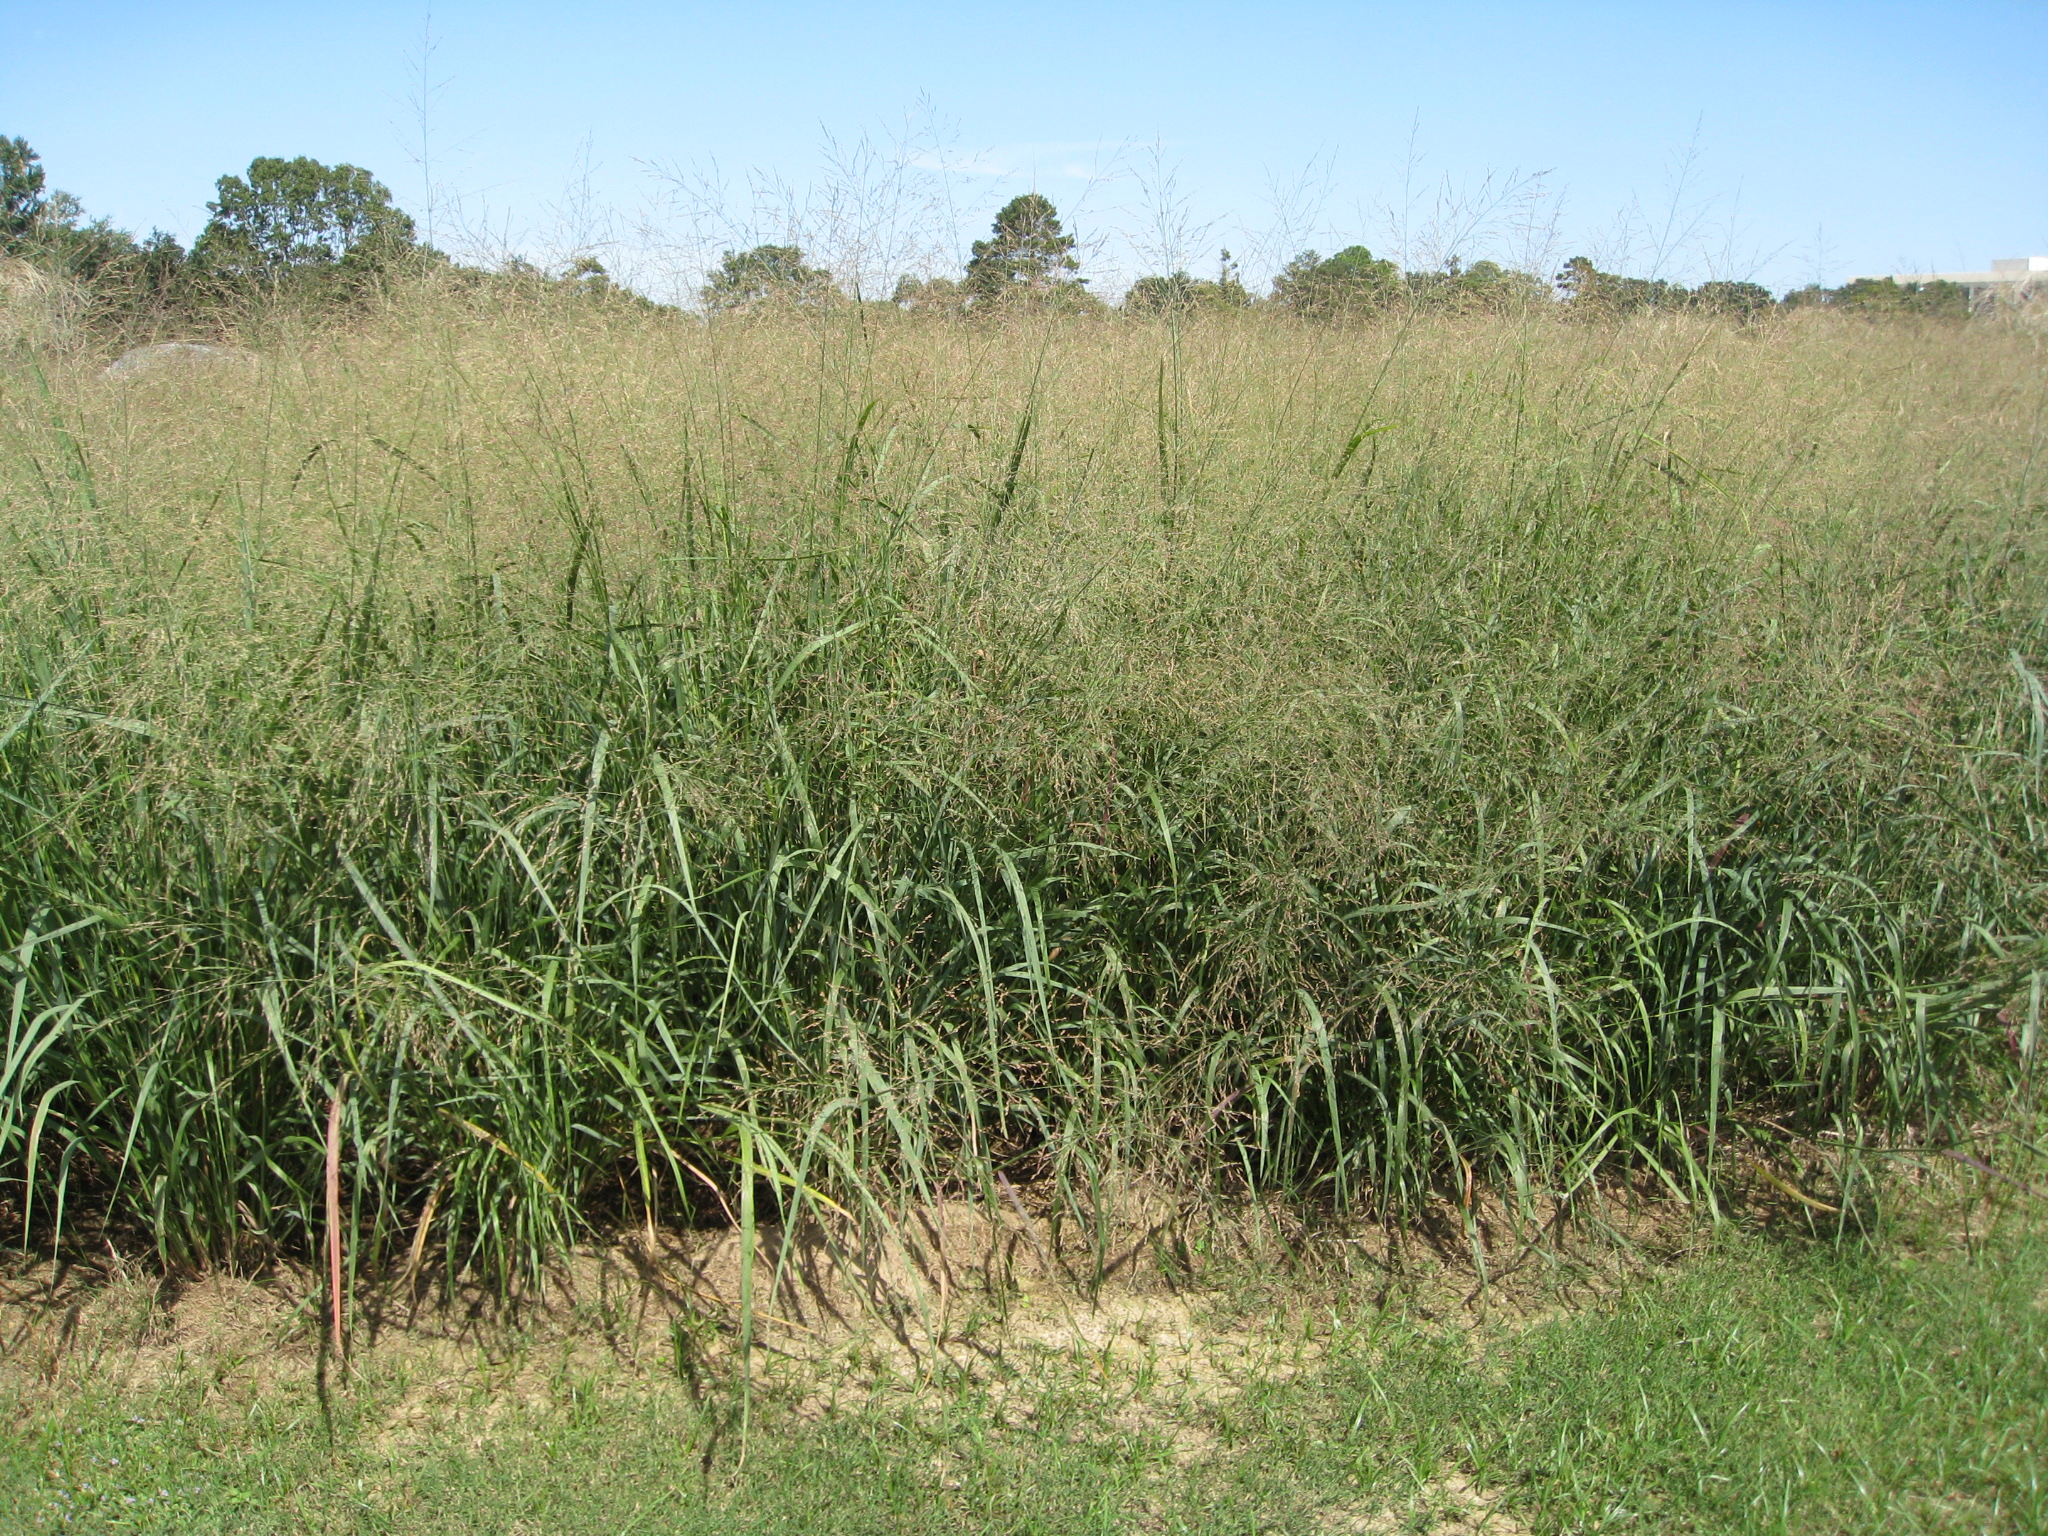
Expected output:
(1782, 142)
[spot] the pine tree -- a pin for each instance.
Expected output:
(22, 201)
(1027, 252)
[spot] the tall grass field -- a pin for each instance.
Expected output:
(619, 768)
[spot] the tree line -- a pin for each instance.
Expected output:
(329, 234)
(323, 231)
(1029, 259)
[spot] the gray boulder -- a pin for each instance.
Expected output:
(163, 356)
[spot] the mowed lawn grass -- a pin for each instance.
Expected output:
(1765, 1385)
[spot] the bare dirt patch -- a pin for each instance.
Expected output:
(1154, 1329)
(1184, 1295)
(1451, 1506)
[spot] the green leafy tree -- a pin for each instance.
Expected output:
(149, 285)
(1174, 294)
(767, 275)
(85, 250)
(1027, 254)
(588, 280)
(1884, 296)
(1485, 287)
(48, 228)
(1592, 293)
(929, 295)
(1181, 293)
(1352, 282)
(1743, 301)
(297, 220)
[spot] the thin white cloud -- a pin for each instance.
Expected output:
(1003, 160)
(970, 165)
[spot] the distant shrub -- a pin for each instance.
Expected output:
(37, 308)
(767, 275)
(1354, 281)
(936, 295)
(1485, 287)
(1883, 296)
(1745, 301)
(1180, 293)
(1589, 292)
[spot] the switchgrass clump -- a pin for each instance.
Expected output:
(649, 769)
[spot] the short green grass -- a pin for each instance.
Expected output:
(1759, 1390)
(1770, 1384)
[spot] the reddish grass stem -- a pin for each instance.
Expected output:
(334, 1306)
